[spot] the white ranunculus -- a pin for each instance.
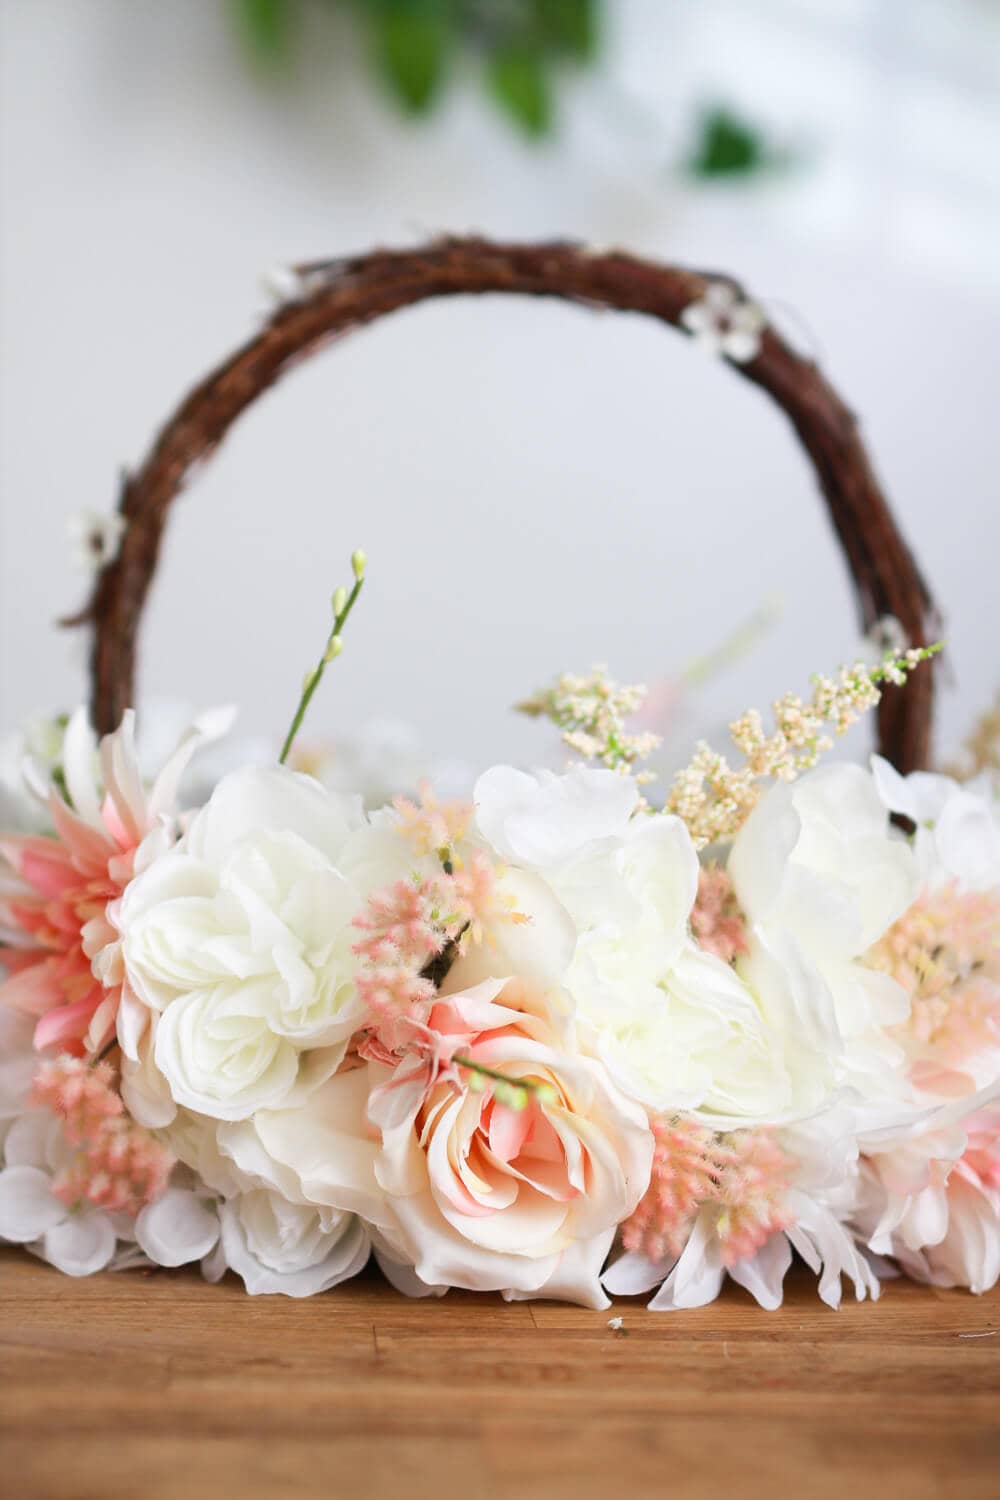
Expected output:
(239, 942)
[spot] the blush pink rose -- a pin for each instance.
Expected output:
(491, 1197)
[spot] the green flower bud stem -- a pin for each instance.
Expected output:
(513, 1092)
(332, 649)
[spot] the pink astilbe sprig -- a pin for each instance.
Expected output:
(684, 1175)
(406, 926)
(717, 921)
(743, 1177)
(403, 922)
(410, 924)
(118, 1166)
(753, 1189)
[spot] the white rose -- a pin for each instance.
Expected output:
(294, 1188)
(290, 1248)
(240, 942)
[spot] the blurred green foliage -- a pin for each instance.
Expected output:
(519, 48)
(520, 45)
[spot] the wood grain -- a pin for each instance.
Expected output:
(157, 1385)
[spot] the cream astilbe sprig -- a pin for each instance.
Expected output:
(715, 799)
(592, 712)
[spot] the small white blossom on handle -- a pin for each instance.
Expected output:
(723, 322)
(97, 536)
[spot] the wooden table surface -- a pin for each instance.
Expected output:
(144, 1386)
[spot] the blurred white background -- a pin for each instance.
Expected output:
(537, 488)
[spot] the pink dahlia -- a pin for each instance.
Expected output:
(58, 914)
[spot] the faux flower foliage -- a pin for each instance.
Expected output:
(549, 1042)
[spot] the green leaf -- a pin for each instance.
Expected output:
(569, 26)
(519, 84)
(267, 27)
(411, 48)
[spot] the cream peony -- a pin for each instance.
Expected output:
(239, 943)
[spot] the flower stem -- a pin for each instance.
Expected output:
(330, 651)
(544, 1091)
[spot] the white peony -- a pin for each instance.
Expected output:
(675, 1027)
(536, 821)
(239, 943)
(957, 833)
(821, 876)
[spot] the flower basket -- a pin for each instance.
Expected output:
(550, 1042)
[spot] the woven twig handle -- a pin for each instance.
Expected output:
(340, 295)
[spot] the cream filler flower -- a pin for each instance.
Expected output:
(237, 949)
